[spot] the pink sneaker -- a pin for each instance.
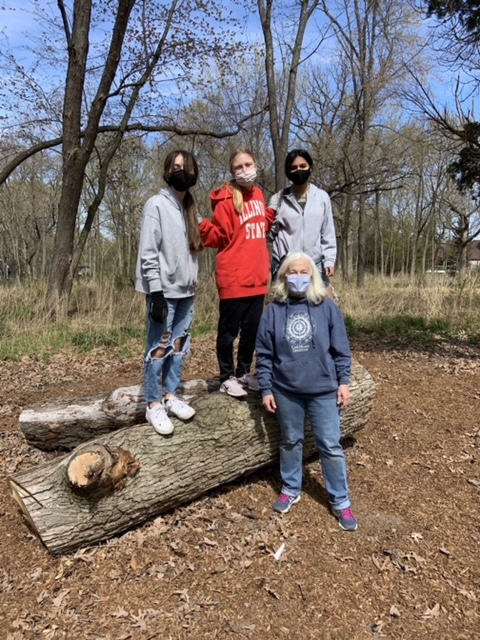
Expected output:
(249, 381)
(233, 388)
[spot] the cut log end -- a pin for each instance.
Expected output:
(96, 467)
(85, 470)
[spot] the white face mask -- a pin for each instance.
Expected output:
(245, 178)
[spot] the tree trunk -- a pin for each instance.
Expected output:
(121, 479)
(67, 423)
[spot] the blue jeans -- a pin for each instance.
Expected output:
(163, 375)
(324, 416)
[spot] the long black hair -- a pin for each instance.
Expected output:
(189, 207)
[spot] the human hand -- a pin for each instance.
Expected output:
(269, 403)
(274, 201)
(158, 307)
(343, 396)
(330, 271)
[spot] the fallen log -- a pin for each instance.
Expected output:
(123, 478)
(68, 422)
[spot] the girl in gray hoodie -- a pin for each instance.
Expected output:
(167, 272)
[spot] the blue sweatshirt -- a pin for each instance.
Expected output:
(302, 349)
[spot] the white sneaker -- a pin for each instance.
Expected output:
(157, 417)
(233, 388)
(249, 381)
(179, 408)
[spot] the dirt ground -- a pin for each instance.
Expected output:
(207, 570)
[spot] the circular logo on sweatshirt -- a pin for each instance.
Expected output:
(299, 331)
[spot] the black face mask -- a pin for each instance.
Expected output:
(181, 180)
(299, 177)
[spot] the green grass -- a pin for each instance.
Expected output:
(89, 339)
(103, 316)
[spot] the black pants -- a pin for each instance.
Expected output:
(237, 315)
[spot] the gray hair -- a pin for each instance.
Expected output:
(316, 292)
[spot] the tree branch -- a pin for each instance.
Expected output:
(136, 126)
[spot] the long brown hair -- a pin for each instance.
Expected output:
(189, 206)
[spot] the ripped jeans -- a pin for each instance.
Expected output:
(163, 375)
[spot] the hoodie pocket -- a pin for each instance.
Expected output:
(309, 376)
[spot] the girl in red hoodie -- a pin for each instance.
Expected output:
(239, 230)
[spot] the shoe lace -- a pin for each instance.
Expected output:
(283, 497)
(347, 514)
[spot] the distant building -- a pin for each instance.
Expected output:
(84, 270)
(473, 255)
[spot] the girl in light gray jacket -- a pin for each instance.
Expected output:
(304, 220)
(167, 272)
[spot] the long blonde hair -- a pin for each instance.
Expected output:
(316, 292)
(231, 185)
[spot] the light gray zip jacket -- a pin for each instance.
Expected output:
(165, 261)
(311, 231)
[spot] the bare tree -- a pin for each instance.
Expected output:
(282, 90)
(146, 39)
(370, 36)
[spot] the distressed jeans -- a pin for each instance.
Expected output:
(324, 416)
(163, 375)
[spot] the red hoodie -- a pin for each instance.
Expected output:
(243, 262)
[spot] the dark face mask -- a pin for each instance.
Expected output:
(181, 180)
(299, 177)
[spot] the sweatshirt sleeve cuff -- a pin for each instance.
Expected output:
(155, 285)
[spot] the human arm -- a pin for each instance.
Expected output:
(150, 245)
(217, 232)
(339, 344)
(264, 347)
(272, 208)
(328, 239)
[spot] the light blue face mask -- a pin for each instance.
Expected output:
(298, 283)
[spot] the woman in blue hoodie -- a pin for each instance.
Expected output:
(303, 366)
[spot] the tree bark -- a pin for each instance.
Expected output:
(121, 479)
(66, 423)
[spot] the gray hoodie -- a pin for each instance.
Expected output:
(311, 231)
(165, 261)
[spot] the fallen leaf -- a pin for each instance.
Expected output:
(434, 612)
(416, 536)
